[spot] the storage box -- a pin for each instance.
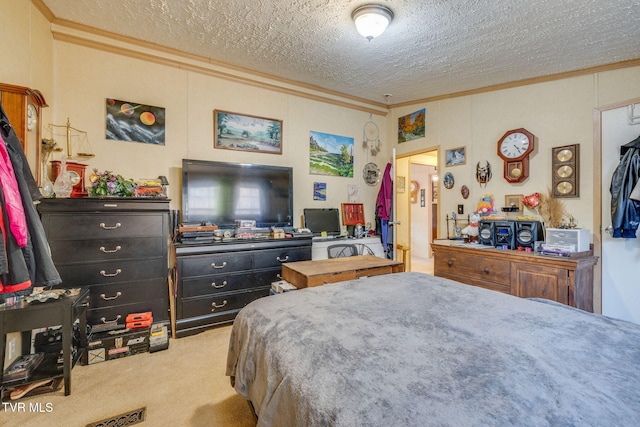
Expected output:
(576, 239)
(115, 344)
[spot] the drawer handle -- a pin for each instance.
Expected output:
(283, 260)
(110, 251)
(105, 274)
(106, 298)
(486, 270)
(110, 321)
(219, 286)
(109, 227)
(449, 263)
(224, 264)
(214, 305)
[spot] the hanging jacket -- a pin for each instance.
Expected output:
(384, 201)
(12, 199)
(625, 212)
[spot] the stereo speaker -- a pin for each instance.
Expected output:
(528, 232)
(485, 233)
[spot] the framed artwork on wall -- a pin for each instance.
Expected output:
(134, 122)
(400, 185)
(455, 156)
(242, 132)
(514, 201)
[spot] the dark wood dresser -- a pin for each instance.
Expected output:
(216, 280)
(117, 247)
(565, 280)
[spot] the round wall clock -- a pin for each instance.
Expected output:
(565, 169)
(448, 180)
(514, 148)
(413, 188)
(371, 174)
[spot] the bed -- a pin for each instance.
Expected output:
(409, 349)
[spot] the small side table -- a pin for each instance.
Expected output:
(23, 317)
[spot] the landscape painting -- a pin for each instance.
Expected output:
(247, 133)
(411, 126)
(129, 121)
(330, 154)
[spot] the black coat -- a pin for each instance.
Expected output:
(625, 212)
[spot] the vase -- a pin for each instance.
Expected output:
(46, 186)
(63, 186)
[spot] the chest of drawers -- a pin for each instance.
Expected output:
(215, 281)
(116, 247)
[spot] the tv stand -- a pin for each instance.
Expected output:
(215, 280)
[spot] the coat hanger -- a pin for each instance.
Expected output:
(633, 144)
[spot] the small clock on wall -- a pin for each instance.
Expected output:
(565, 170)
(413, 188)
(514, 149)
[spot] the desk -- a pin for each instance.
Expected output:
(319, 246)
(304, 274)
(23, 317)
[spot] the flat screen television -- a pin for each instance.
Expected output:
(322, 219)
(221, 193)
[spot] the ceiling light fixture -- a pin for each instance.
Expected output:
(371, 19)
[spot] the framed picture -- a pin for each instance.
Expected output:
(330, 154)
(514, 200)
(455, 157)
(242, 132)
(134, 122)
(400, 184)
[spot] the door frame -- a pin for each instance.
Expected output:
(597, 195)
(406, 207)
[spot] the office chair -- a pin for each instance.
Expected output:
(342, 250)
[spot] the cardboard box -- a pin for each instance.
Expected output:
(111, 345)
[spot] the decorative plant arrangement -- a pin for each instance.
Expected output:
(549, 208)
(108, 183)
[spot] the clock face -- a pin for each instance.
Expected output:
(564, 187)
(564, 155)
(515, 145)
(371, 174)
(565, 171)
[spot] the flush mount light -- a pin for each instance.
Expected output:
(371, 19)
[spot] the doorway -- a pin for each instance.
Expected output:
(619, 264)
(417, 207)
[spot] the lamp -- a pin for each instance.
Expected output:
(371, 19)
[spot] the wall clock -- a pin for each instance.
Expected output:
(413, 188)
(514, 149)
(565, 170)
(371, 174)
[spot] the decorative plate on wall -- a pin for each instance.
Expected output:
(371, 174)
(448, 180)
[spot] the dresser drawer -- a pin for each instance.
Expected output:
(275, 257)
(128, 292)
(193, 307)
(473, 267)
(216, 284)
(205, 265)
(70, 251)
(104, 225)
(112, 272)
(119, 313)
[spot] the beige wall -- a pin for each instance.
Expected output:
(557, 112)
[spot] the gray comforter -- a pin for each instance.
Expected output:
(410, 349)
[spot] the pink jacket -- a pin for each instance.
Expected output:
(12, 199)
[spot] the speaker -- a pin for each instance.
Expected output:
(528, 232)
(504, 234)
(485, 233)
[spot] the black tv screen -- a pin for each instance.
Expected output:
(221, 193)
(318, 220)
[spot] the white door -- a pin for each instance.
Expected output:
(620, 257)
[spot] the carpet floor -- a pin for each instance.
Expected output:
(184, 385)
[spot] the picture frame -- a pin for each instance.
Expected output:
(455, 156)
(516, 199)
(400, 185)
(243, 132)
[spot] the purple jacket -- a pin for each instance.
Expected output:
(384, 201)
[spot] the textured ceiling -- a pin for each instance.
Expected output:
(432, 47)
